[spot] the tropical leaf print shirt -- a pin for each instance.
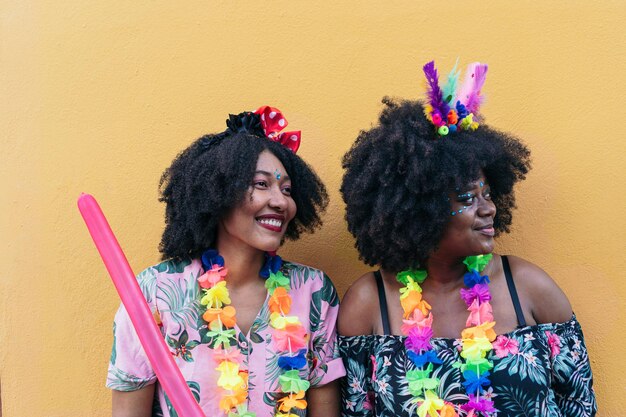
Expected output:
(172, 292)
(539, 371)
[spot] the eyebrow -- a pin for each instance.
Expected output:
(467, 188)
(269, 174)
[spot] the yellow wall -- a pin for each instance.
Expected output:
(100, 96)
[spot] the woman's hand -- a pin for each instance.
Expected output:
(133, 403)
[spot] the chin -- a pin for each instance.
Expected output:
(487, 249)
(483, 249)
(269, 246)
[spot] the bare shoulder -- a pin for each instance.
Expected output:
(355, 311)
(548, 302)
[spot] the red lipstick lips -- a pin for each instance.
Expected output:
(273, 222)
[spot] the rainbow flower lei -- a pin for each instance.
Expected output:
(289, 337)
(476, 341)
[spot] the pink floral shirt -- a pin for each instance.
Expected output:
(172, 292)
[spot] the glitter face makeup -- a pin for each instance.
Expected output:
(466, 199)
(277, 174)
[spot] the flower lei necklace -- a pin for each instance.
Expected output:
(289, 337)
(476, 341)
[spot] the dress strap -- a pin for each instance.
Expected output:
(521, 322)
(382, 300)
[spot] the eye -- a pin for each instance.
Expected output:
(286, 190)
(487, 194)
(466, 199)
(261, 184)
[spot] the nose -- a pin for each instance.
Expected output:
(278, 200)
(486, 207)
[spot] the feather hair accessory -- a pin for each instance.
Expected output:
(454, 107)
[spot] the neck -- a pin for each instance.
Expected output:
(243, 262)
(445, 272)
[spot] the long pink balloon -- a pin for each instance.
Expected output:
(122, 275)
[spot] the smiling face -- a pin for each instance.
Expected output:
(470, 230)
(261, 219)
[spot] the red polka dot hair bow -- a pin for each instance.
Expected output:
(273, 122)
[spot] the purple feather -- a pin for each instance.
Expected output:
(474, 98)
(434, 94)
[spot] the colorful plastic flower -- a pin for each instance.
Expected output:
(290, 381)
(230, 401)
(475, 348)
(231, 355)
(212, 276)
(420, 380)
(417, 275)
(293, 361)
(430, 404)
(478, 292)
(280, 301)
(216, 296)
(410, 286)
(276, 280)
(418, 319)
(292, 338)
(211, 257)
(479, 313)
(229, 375)
(278, 321)
(292, 401)
(475, 383)
(224, 315)
(418, 339)
(478, 262)
(482, 330)
(448, 411)
(421, 359)
(221, 337)
(479, 365)
(242, 411)
(271, 265)
(474, 278)
(412, 301)
(480, 404)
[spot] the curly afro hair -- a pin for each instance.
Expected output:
(399, 173)
(213, 175)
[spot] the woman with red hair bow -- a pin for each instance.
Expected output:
(252, 334)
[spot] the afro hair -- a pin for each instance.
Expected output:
(399, 173)
(214, 174)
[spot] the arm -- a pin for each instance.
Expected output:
(323, 401)
(356, 311)
(355, 322)
(133, 403)
(548, 303)
(130, 374)
(572, 381)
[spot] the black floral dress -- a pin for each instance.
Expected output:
(541, 370)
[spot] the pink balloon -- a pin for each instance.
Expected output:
(127, 287)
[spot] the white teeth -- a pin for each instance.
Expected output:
(271, 222)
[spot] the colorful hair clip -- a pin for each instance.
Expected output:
(453, 108)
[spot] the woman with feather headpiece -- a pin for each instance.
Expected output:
(446, 327)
